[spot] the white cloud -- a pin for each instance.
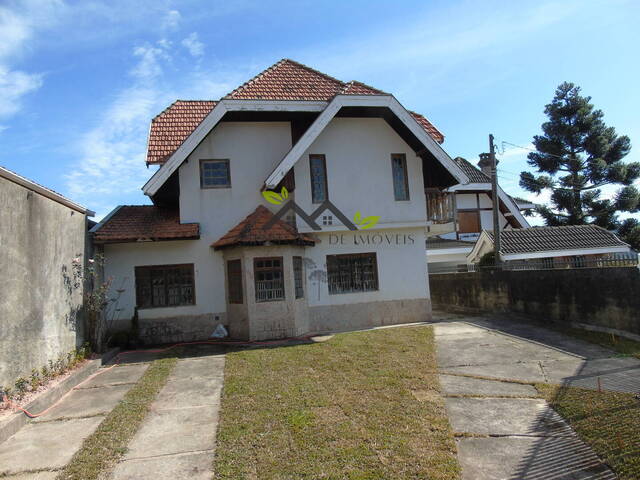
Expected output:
(150, 57)
(195, 46)
(171, 20)
(17, 27)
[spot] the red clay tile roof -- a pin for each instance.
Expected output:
(249, 232)
(172, 127)
(138, 223)
(286, 80)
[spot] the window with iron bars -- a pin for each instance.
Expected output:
(269, 279)
(165, 286)
(352, 273)
(298, 277)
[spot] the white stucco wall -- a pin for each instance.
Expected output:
(402, 265)
(358, 158)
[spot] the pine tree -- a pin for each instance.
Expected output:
(575, 157)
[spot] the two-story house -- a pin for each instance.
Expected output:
(341, 246)
(461, 213)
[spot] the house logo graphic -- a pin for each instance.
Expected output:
(359, 222)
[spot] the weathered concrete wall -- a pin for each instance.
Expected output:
(39, 238)
(602, 297)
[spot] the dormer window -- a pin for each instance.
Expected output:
(215, 174)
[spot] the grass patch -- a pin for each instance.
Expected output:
(609, 422)
(347, 408)
(622, 345)
(102, 450)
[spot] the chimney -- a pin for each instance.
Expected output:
(485, 164)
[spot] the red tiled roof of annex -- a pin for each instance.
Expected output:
(140, 223)
(250, 232)
(285, 80)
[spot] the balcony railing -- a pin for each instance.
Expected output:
(440, 206)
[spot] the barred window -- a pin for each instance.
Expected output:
(399, 173)
(298, 277)
(352, 273)
(234, 281)
(269, 279)
(165, 286)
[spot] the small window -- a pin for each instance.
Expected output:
(318, 173)
(298, 277)
(215, 174)
(352, 273)
(400, 180)
(269, 279)
(165, 286)
(547, 263)
(234, 281)
(578, 261)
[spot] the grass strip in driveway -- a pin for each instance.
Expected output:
(362, 405)
(101, 451)
(609, 422)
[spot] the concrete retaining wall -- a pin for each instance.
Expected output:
(607, 298)
(39, 309)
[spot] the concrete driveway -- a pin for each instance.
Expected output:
(504, 431)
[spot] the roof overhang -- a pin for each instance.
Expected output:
(564, 253)
(215, 116)
(332, 109)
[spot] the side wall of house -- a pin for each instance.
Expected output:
(39, 308)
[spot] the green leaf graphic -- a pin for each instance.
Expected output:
(284, 192)
(357, 218)
(272, 197)
(369, 222)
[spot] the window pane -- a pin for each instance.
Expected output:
(298, 276)
(214, 173)
(399, 173)
(352, 273)
(318, 173)
(269, 280)
(164, 286)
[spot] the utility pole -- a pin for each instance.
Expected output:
(496, 202)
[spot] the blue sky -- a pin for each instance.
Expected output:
(80, 81)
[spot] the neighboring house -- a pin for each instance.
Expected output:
(210, 251)
(462, 212)
(41, 233)
(552, 247)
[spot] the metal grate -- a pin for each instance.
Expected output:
(164, 286)
(269, 279)
(352, 273)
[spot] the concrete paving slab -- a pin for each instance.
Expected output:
(457, 385)
(175, 431)
(527, 458)
(121, 374)
(207, 367)
(194, 466)
(505, 416)
(46, 445)
(189, 392)
(521, 371)
(457, 328)
(86, 402)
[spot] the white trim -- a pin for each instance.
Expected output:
(482, 239)
(564, 253)
(211, 120)
(434, 252)
(44, 191)
(98, 225)
(332, 109)
(470, 186)
(513, 208)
